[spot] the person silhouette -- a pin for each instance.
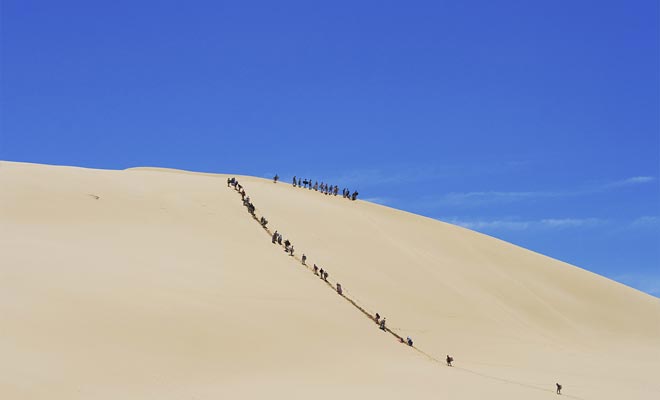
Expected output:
(558, 388)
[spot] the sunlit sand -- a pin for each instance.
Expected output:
(158, 284)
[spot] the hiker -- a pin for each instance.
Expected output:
(264, 222)
(279, 239)
(382, 324)
(228, 182)
(449, 360)
(276, 178)
(304, 258)
(316, 270)
(274, 237)
(559, 389)
(339, 289)
(299, 182)
(310, 185)
(316, 186)
(354, 196)
(291, 251)
(378, 318)
(325, 276)
(321, 271)
(294, 181)
(409, 341)
(305, 182)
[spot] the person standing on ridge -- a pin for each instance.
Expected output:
(339, 289)
(449, 360)
(382, 324)
(304, 258)
(294, 181)
(276, 178)
(559, 389)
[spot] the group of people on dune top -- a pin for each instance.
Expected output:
(276, 238)
(322, 187)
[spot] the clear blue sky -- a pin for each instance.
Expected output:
(535, 122)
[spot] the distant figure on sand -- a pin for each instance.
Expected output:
(377, 318)
(294, 181)
(276, 178)
(339, 289)
(304, 258)
(449, 360)
(275, 235)
(321, 271)
(316, 270)
(382, 324)
(559, 389)
(291, 251)
(325, 276)
(409, 341)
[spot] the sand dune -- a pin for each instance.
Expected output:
(154, 283)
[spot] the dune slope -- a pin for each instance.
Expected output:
(151, 283)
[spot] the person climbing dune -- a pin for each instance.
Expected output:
(340, 291)
(558, 388)
(304, 258)
(449, 360)
(382, 324)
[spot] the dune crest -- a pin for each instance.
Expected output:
(147, 283)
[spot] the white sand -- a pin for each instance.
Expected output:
(165, 288)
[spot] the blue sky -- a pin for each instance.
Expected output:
(535, 122)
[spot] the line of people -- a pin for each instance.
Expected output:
(232, 182)
(327, 189)
(276, 238)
